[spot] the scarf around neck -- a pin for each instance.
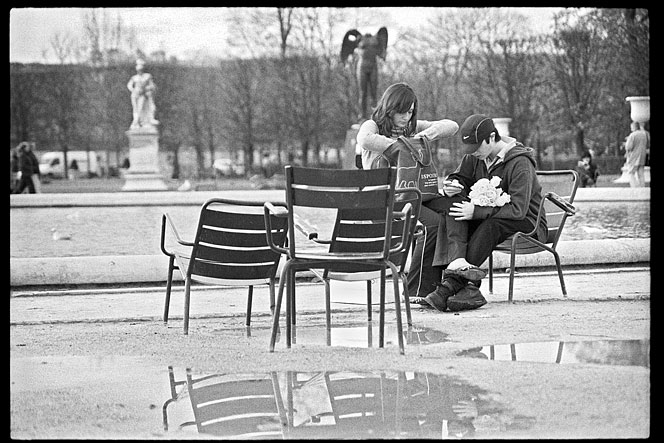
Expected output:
(397, 132)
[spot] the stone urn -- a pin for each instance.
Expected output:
(502, 125)
(640, 108)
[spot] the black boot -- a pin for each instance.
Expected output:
(466, 299)
(450, 285)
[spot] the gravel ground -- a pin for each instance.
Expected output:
(566, 401)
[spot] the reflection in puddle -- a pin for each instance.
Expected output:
(363, 335)
(607, 352)
(334, 405)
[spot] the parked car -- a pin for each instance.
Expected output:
(226, 167)
(51, 164)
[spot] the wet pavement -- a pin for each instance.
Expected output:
(546, 366)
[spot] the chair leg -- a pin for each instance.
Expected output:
(187, 293)
(291, 285)
(512, 267)
(491, 273)
(369, 296)
(272, 295)
(169, 284)
(397, 306)
(328, 306)
(560, 272)
(290, 301)
(404, 281)
(171, 379)
(164, 412)
(381, 315)
(277, 307)
(250, 297)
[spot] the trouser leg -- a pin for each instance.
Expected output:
(422, 275)
(487, 234)
(453, 235)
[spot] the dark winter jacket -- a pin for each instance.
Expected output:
(28, 163)
(518, 178)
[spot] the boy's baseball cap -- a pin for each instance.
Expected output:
(474, 130)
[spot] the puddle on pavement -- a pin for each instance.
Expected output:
(333, 405)
(178, 402)
(605, 352)
(362, 335)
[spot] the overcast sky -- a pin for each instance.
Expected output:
(178, 31)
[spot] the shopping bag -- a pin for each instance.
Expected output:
(415, 167)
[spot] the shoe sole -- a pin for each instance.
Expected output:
(457, 306)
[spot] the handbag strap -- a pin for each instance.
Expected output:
(418, 154)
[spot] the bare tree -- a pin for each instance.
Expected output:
(64, 105)
(65, 47)
(24, 102)
(447, 62)
(508, 75)
(241, 103)
(107, 39)
(579, 59)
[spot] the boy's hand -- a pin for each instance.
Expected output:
(452, 187)
(462, 210)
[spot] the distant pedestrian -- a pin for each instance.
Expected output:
(636, 147)
(588, 171)
(73, 170)
(13, 184)
(28, 172)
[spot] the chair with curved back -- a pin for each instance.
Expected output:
(558, 191)
(335, 193)
(230, 248)
(348, 237)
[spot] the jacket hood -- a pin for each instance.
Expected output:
(520, 150)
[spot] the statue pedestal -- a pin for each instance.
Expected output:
(143, 173)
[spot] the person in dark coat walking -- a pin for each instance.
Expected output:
(28, 165)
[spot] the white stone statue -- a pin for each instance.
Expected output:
(142, 89)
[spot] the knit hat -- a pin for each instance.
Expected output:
(474, 130)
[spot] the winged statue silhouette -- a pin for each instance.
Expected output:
(368, 48)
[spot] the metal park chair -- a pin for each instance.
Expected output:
(230, 248)
(353, 233)
(337, 193)
(558, 191)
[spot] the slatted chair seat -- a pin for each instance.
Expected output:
(558, 192)
(230, 248)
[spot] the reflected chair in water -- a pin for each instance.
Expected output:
(558, 191)
(175, 395)
(229, 248)
(238, 407)
(364, 405)
(334, 192)
(355, 230)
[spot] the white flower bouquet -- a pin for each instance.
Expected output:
(486, 192)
